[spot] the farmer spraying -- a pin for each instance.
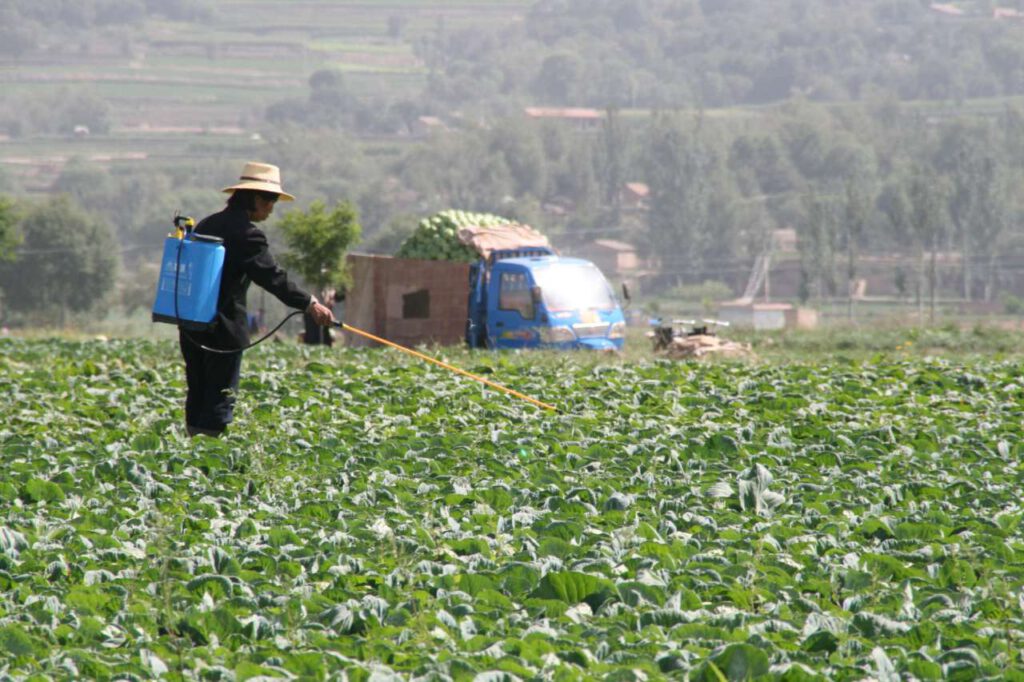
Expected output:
(212, 375)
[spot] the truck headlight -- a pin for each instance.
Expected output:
(556, 334)
(618, 331)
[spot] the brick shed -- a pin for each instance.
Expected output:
(407, 301)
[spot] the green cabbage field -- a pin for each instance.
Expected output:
(371, 517)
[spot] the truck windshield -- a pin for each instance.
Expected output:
(574, 287)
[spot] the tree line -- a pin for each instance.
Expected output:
(853, 167)
(59, 262)
(631, 54)
(673, 54)
(850, 179)
(677, 53)
(28, 26)
(53, 259)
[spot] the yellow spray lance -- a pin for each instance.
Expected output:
(392, 344)
(451, 368)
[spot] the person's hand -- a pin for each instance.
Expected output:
(320, 313)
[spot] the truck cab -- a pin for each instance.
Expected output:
(532, 298)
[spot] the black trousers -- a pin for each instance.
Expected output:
(212, 380)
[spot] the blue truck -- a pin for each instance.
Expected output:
(524, 297)
(532, 298)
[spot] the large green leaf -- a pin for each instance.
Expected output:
(572, 588)
(15, 642)
(735, 662)
(37, 490)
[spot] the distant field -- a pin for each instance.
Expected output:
(194, 82)
(224, 73)
(253, 40)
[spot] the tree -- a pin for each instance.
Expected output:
(68, 261)
(522, 152)
(396, 25)
(182, 10)
(806, 144)
(558, 78)
(389, 238)
(761, 165)
(894, 204)
(88, 185)
(612, 163)
(858, 209)
(317, 241)
(17, 36)
(576, 177)
(928, 220)
(78, 107)
(977, 204)
(463, 171)
(994, 216)
(680, 170)
(818, 244)
(9, 236)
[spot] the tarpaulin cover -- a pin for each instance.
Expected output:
(507, 236)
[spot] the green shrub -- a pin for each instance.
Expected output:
(1013, 305)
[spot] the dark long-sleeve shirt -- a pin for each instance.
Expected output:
(247, 259)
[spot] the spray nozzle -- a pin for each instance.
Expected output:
(182, 225)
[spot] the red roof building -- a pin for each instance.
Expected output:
(584, 119)
(947, 8)
(634, 195)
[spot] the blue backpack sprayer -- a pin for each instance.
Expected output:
(189, 285)
(190, 273)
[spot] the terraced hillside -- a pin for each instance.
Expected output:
(169, 84)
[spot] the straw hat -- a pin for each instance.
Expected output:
(261, 177)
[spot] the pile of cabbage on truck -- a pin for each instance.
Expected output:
(437, 237)
(485, 280)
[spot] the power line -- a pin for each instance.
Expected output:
(123, 249)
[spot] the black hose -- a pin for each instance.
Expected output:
(243, 348)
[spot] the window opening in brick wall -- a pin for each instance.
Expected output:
(416, 306)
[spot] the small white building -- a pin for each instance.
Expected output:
(766, 316)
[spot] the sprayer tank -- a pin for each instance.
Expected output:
(189, 283)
